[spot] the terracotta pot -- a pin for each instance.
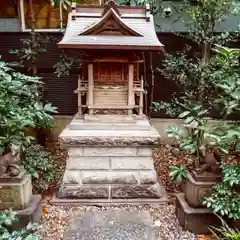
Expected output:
(199, 186)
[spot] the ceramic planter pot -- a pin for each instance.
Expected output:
(199, 186)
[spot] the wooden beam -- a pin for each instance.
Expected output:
(141, 98)
(79, 97)
(90, 87)
(130, 87)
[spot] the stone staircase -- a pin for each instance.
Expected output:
(108, 122)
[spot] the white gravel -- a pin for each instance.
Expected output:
(56, 220)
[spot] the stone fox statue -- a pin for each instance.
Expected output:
(210, 163)
(10, 165)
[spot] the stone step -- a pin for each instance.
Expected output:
(110, 177)
(107, 126)
(99, 118)
(109, 122)
(111, 225)
(111, 151)
(107, 163)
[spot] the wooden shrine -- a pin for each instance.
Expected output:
(110, 140)
(110, 81)
(110, 86)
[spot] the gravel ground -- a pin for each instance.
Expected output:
(163, 157)
(56, 220)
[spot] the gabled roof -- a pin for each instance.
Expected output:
(110, 27)
(110, 20)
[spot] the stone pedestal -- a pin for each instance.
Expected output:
(16, 193)
(199, 186)
(110, 157)
(196, 220)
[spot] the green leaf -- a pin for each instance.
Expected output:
(184, 114)
(189, 119)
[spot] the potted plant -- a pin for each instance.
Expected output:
(225, 232)
(9, 229)
(191, 137)
(20, 109)
(225, 198)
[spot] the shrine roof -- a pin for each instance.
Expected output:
(110, 27)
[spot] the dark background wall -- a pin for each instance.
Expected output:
(59, 91)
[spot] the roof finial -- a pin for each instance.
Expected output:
(148, 13)
(111, 4)
(74, 6)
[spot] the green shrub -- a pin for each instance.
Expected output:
(178, 173)
(7, 218)
(39, 163)
(20, 108)
(225, 232)
(225, 198)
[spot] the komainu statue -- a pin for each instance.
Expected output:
(10, 165)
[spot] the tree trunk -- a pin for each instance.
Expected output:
(41, 134)
(34, 67)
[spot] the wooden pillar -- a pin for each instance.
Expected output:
(90, 87)
(130, 87)
(79, 97)
(141, 97)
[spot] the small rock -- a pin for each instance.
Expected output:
(157, 223)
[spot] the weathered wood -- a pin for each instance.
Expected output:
(90, 86)
(141, 98)
(79, 97)
(130, 87)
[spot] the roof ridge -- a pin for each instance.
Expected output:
(100, 24)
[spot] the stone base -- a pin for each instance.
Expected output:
(15, 193)
(112, 191)
(110, 122)
(199, 186)
(32, 213)
(107, 163)
(196, 220)
(106, 202)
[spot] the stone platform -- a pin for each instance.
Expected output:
(16, 194)
(32, 213)
(107, 163)
(111, 225)
(196, 220)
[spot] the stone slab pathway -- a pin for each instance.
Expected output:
(110, 225)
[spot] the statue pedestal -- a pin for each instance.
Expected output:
(111, 159)
(16, 193)
(196, 220)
